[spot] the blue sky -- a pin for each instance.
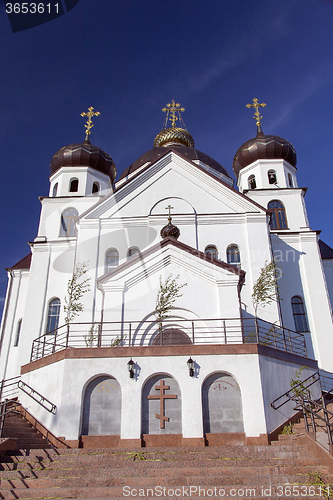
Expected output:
(129, 58)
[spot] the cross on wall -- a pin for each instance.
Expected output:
(162, 396)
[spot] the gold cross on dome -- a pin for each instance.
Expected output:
(169, 207)
(171, 109)
(89, 125)
(256, 105)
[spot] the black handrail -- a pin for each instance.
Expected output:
(292, 394)
(301, 395)
(8, 403)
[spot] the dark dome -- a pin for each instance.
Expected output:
(263, 147)
(191, 153)
(84, 155)
(170, 230)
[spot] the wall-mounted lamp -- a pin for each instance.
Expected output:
(190, 365)
(130, 366)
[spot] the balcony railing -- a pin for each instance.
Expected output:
(174, 331)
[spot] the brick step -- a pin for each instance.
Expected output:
(118, 457)
(80, 461)
(146, 482)
(151, 471)
(116, 493)
(169, 453)
(16, 426)
(104, 462)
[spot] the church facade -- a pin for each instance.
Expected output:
(117, 372)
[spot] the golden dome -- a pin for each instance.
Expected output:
(174, 135)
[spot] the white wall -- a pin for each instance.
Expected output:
(260, 380)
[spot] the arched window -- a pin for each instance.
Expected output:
(233, 256)
(95, 188)
(18, 331)
(252, 182)
(74, 186)
(272, 177)
(111, 259)
(132, 251)
(300, 319)
(278, 220)
(67, 227)
(290, 179)
(53, 316)
(55, 190)
(212, 251)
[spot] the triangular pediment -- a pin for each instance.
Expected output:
(177, 178)
(182, 255)
(210, 287)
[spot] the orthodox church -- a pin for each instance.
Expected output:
(82, 326)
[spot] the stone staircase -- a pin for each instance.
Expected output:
(294, 466)
(16, 426)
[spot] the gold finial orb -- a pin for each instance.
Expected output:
(256, 105)
(89, 125)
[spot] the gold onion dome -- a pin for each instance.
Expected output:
(176, 139)
(174, 136)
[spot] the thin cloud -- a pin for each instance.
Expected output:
(311, 84)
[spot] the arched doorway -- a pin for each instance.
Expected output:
(221, 404)
(102, 407)
(161, 406)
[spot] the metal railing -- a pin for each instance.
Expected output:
(314, 409)
(174, 331)
(9, 391)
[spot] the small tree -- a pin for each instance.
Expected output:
(75, 291)
(266, 290)
(166, 297)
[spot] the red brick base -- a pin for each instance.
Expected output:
(169, 440)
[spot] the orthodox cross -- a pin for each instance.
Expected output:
(169, 207)
(256, 105)
(172, 109)
(89, 125)
(161, 396)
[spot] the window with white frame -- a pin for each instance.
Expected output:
(67, 226)
(252, 182)
(111, 259)
(300, 319)
(212, 251)
(132, 252)
(18, 332)
(278, 217)
(74, 185)
(233, 256)
(53, 315)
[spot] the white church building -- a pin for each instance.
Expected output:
(208, 374)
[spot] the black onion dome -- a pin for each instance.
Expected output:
(84, 155)
(263, 147)
(189, 152)
(170, 230)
